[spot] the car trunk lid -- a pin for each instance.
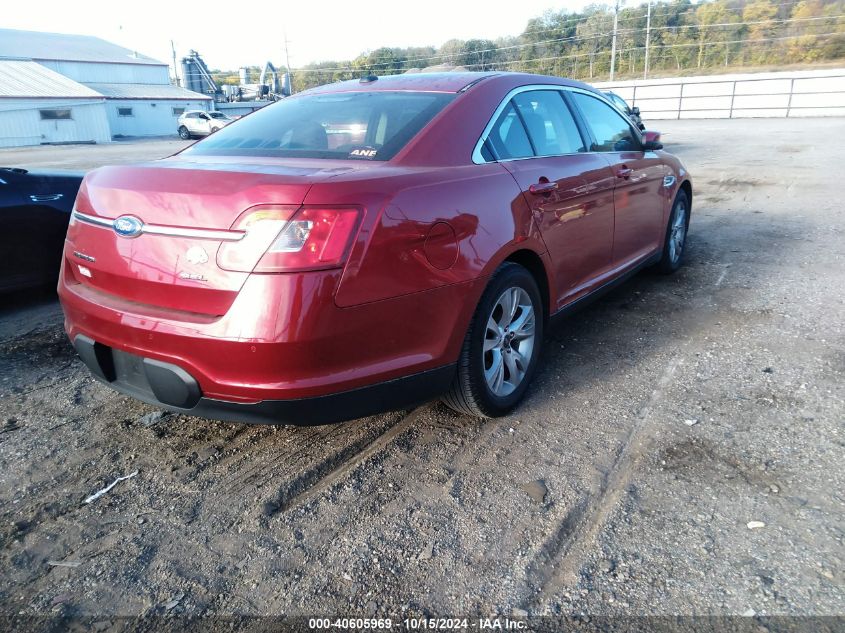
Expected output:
(185, 211)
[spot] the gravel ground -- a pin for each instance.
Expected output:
(679, 453)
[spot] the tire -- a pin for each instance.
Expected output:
(184, 134)
(674, 243)
(517, 348)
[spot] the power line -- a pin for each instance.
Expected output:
(689, 9)
(475, 52)
(776, 21)
(685, 45)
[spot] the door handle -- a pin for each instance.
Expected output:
(47, 197)
(542, 187)
(624, 172)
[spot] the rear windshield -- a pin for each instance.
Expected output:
(355, 125)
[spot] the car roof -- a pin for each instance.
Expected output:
(424, 82)
(435, 82)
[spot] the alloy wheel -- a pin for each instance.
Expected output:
(678, 232)
(509, 341)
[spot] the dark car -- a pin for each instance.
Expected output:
(633, 113)
(35, 208)
(366, 245)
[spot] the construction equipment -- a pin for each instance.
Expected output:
(197, 77)
(270, 87)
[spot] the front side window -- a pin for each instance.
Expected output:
(550, 124)
(344, 125)
(618, 102)
(612, 131)
(217, 115)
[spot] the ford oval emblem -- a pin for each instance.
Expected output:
(128, 226)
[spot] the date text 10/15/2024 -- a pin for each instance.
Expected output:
(416, 624)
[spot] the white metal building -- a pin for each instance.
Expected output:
(38, 105)
(146, 109)
(129, 92)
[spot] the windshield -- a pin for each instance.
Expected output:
(356, 125)
(217, 115)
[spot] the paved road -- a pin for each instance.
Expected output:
(83, 157)
(680, 453)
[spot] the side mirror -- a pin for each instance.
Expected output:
(651, 141)
(635, 111)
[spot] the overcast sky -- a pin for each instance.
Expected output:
(246, 34)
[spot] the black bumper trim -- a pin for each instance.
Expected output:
(96, 356)
(170, 387)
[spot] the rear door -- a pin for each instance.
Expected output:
(638, 196)
(17, 235)
(569, 190)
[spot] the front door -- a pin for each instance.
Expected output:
(638, 200)
(203, 125)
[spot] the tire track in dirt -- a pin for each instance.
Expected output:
(326, 473)
(293, 451)
(559, 559)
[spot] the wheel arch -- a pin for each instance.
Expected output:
(533, 263)
(686, 186)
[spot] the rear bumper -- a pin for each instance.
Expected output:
(283, 352)
(170, 387)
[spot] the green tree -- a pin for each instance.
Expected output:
(762, 27)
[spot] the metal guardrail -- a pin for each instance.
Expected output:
(732, 111)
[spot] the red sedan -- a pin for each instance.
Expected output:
(366, 245)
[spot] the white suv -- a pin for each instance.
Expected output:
(199, 123)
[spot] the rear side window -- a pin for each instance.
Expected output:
(508, 138)
(356, 125)
(612, 131)
(549, 122)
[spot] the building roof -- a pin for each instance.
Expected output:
(145, 91)
(62, 47)
(19, 78)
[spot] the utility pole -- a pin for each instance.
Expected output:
(647, 33)
(175, 68)
(613, 46)
(287, 58)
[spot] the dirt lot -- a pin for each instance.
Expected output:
(667, 419)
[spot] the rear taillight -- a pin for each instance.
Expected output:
(284, 239)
